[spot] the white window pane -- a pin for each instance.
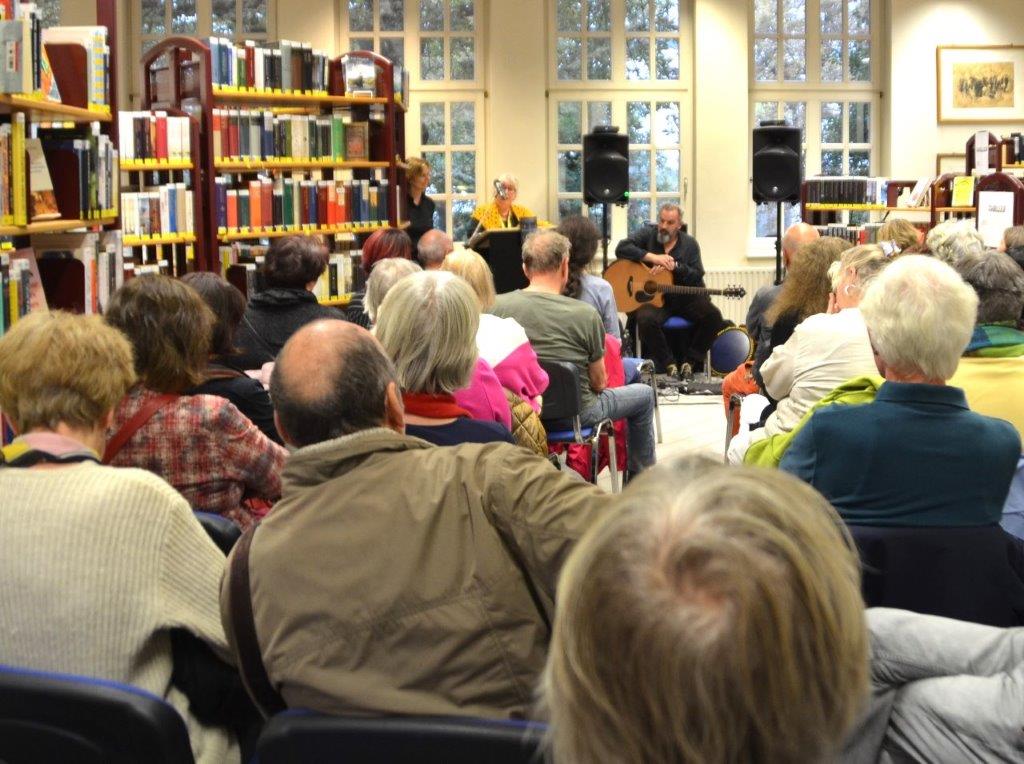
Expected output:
(431, 58)
(222, 20)
(254, 16)
(360, 16)
(831, 60)
(462, 19)
(795, 113)
(463, 123)
(832, 162)
(860, 163)
(766, 17)
(860, 122)
(569, 207)
(666, 171)
(766, 59)
(638, 15)
(462, 218)
(596, 213)
(440, 218)
(599, 15)
(860, 60)
(667, 62)
(463, 65)
(598, 113)
(392, 15)
(599, 58)
(794, 60)
(831, 16)
(569, 15)
(638, 116)
(666, 124)
(666, 15)
(570, 122)
(570, 171)
(767, 218)
(432, 124)
(859, 19)
(765, 110)
(640, 170)
(360, 43)
(569, 54)
(393, 49)
(183, 16)
(49, 12)
(464, 172)
(794, 15)
(153, 17)
(431, 15)
(639, 213)
(438, 171)
(638, 58)
(832, 122)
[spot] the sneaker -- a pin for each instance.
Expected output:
(672, 371)
(685, 372)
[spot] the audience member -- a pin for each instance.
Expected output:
(382, 244)
(1013, 244)
(916, 455)
(583, 238)
(901, 232)
(501, 342)
(714, 616)
(943, 691)
(290, 271)
(200, 444)
(395, 577)
(386, 275)
(427, 326)
(563, 329)
(98, 564)
(432, 248)
(825, 350)
(953, 239)
(224, 376)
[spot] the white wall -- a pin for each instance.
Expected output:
(917, 27)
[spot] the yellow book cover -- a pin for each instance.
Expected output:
(19, 186)
(963, 191)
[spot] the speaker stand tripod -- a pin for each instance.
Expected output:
(606, 233)
(778, 243)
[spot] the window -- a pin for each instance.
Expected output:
(439, 43)
(812, 65)
(49, 11)
(237, 19)
(619, 62)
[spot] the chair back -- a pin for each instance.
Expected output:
(47, 718)
(971, 574)
(299, 737)
(223, 531)
(730, 348)
(562, 399)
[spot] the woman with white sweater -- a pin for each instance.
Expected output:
(98, 563)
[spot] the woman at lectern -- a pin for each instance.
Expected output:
(502, 212)
(421, 207)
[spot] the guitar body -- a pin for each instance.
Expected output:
(634, 285)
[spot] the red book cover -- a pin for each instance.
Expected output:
(267, 203)
(232, 209)
(161, 137)
(250, 63)
(332, 204)
(321, 203)
(304, 209)
(255, 208)
(233, 149)
(218, 136)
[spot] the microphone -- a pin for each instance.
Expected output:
(499, 189)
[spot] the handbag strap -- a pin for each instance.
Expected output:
(129, 428)
(243, 624)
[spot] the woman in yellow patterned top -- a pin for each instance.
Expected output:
(503, 212)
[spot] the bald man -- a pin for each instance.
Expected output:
(432, 248)
(393, 576)
(796, 236)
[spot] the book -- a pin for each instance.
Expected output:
(42, 202)
(963, 191)
(360, 76)
(16, 55)
(357, 142)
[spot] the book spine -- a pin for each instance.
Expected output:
(19, 184)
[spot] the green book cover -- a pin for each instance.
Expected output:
(288, 203)
(337, 138)
(243, 209)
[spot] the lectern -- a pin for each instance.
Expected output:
(502, 248)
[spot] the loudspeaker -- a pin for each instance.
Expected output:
(605, 166)
(778, 168)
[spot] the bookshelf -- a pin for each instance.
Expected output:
(827, 213)
(178, 72)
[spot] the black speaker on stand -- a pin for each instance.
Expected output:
(778, 172)
(605, 175)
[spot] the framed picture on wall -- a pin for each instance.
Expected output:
(979, 84)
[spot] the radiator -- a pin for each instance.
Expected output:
(751, 279)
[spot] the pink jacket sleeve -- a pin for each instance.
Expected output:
(521, 373)
(484, 398)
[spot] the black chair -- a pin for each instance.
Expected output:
(300, 737)
(560, 415)
(223, 532)
(971, 574)
(47, 718)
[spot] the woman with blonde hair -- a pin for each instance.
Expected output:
(421, 207)
(99, 564)
(714, 616)
(200, 444)
(904, 234)
(427, 325)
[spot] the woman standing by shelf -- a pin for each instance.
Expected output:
(421, 206)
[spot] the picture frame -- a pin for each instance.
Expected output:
(979, 84)
(950, 162)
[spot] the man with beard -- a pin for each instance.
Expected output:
(666, 247)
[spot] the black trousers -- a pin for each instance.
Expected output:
(707, 323)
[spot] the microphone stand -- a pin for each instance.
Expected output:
(606, 234)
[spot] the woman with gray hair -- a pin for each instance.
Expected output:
(427, 325)
(953, 239)
(916, 455)
(387, 273)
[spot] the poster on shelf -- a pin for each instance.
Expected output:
(995, 215)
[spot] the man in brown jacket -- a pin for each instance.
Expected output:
(396, 577)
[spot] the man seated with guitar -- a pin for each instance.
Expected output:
(665, 247)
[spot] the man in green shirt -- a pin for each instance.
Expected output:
(563, 329)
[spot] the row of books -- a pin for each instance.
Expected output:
(261, 134)
(266, 203)
(163, 210)
(244, 268)
(847, 190)
(154, 135)
(284, 65)
(855, 234)
(21, 65)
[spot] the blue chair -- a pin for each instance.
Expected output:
(560, 415)
(47, 718)
(672, 324)
(223, 531)
(730, 348)
(302, 737)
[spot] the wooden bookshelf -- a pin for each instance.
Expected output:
(255, 165)
(273, 233)
(155, 240)
(156, 165)
(54, 226)
(283, 98)
(47, 111)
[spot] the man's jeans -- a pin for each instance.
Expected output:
(635, 404)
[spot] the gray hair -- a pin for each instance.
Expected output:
(920, 316)
(432, 247)
(507, 178)
(385, 275)
(427, 324)
(865, 260)
(671, 207)
(545, 251)
(999, 282)
(953, 239)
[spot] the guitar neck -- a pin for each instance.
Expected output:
(672, 289)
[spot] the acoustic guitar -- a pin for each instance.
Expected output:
(634, 285)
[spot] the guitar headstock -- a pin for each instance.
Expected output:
(734, 291)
